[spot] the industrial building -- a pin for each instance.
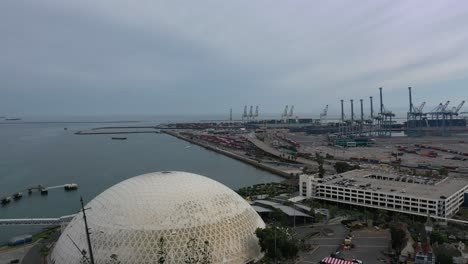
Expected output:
(383, 190)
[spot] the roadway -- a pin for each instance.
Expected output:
(34, 255)
(37, 221)
(272, 151)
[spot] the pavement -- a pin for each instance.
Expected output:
(323, 245)
(10, 254)
(34, 254)
(369, 243)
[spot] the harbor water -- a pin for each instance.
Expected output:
(47, 154)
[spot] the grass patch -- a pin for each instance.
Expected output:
(463, 214)
(42, 235)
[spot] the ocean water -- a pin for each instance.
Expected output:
(46, 154)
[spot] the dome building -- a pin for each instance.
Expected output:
(174, 216)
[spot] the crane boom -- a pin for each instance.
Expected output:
(324, 112)
(459, 107)
(285, 112)
(291, 111)
(420, 108)
(444, 107)
(438, 108)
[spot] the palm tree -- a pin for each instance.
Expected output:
(162, 251)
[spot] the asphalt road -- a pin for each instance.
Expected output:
(325, 245)
(369, 245)
(14, 253)
(34, 256)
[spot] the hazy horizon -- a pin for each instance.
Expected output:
(100, 58)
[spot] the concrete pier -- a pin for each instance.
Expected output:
(231, 154)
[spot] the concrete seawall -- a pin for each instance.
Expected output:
(231, 154)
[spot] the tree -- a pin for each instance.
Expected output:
(277, 243)
(162, 251)
(320, 162)
(380, 216)
(84, 257)
(342, 166)
(444, 258)
(321, 170)
(206, 257)
(318, 217)
(399, 239)
(438, 237)
(279, 217)
(114, 259)
(443, 171)
(333, 210)
(191, 252)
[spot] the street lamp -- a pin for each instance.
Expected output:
(428, 226)
(275, 244)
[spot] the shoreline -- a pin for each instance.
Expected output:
(236, 156)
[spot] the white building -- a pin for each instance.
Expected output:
(174, 215)
(376, 189)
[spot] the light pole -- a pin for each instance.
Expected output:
(294, 209)
(275, 245)
(91, 255)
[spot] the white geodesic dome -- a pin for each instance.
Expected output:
(186, 210)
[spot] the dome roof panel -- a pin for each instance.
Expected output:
(131, 217)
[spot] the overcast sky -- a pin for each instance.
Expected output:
(92, 57)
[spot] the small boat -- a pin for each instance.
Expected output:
(187, 146)
(119, 138)
(44, 191)
(70, 187)
(17, 195)
(6, 200)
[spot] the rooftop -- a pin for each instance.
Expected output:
(385, 182)
(285, 209)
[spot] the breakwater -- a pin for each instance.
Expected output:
(236, 156)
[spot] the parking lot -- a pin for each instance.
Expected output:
(324, 245)
(369, 244)
(7, 255)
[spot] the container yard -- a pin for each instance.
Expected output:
(431, 141)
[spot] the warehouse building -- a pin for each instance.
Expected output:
(382, 190)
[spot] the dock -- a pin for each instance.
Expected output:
(120, 130)
(252, 162)
(42, 190)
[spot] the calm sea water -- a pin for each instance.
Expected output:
(46, 154)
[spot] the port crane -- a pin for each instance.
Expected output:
(444, 107)
(324, 113)
(455, 110)
(285, 112)
(244, 115)
(418, 110)
(439, 110)
(291, 111)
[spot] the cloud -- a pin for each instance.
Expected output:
(209, 56)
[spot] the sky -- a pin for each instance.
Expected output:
(111, 57)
